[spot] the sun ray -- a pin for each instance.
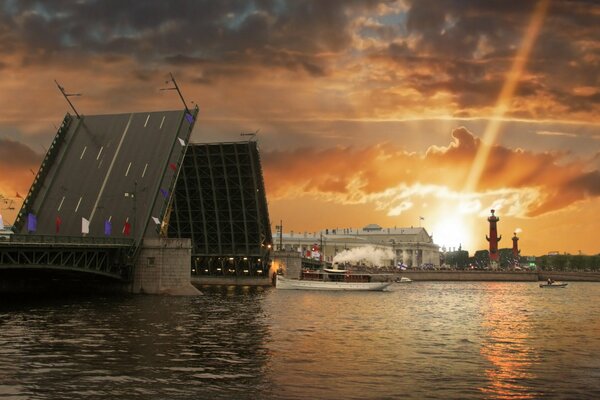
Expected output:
(490, 134)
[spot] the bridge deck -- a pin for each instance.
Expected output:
(108, 168)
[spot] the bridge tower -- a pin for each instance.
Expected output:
(493, 239)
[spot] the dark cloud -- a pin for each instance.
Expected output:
(269, 33)
(461, 49)
(469, 46)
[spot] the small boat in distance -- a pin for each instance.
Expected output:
(331, 279)
(403, 280)
(553, 284)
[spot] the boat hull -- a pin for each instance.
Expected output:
(297, 284)
(553, 285)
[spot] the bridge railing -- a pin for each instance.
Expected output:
(67, 240)
(48, 161)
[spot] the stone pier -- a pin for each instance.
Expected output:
(164, 267)
(290, 263)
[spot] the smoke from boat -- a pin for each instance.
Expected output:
(368, 255)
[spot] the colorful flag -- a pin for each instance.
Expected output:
(31, 223)
(181, 141)
(1, 222)
(173, 166)
(165, 193)
(126, 228)
(156, 220)
(189, 118)
(107, 227)
(58, 222)
(85, 226)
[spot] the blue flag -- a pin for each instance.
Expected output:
(189, 118)
(107, 228)
(31, 223)
(165, 193)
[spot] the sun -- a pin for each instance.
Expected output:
(452, 232)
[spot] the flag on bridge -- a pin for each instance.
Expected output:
(181, 141)
(173, 167)
(189, 118)
(165, 193)
(127, 228)
(156, 220)
(107, 227)
(57, 223)
(31, 223)
(1, 222)
(85, 226)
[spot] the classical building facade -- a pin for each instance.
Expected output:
(412, 247)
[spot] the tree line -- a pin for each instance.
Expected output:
(559, 262)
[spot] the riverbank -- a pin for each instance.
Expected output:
(501, 276)
(426, 276)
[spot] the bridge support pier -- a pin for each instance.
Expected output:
(163, 266)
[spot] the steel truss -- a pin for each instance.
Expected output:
(108, 260)
(220, 203)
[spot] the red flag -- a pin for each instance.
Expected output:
(173, 167)
(18, 196)
(127, 228)
(58, 222)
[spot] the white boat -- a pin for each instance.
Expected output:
(553, 285)
(404, 280)
(329, 279)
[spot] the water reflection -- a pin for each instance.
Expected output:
(506, 343)
(462, 340)
(137, 347)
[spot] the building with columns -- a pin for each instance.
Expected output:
(412, 247)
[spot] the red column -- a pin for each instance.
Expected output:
(493, 238)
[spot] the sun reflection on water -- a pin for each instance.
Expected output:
(507, 347)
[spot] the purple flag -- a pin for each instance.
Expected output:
(189, 118)
(31, 223)
(107, 228)
(165, 193)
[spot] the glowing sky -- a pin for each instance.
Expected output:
(368, 111)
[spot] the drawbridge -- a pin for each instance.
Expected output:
(105, 184)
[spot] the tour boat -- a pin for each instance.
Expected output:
(331, 279)
(553, 285)
(404, 280)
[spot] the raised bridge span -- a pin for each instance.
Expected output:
(106, 182)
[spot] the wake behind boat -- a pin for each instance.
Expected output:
(331, 279)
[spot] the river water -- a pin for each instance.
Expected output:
(423, 340)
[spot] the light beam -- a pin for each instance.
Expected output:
(490, 134)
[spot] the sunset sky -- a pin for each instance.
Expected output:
(367, 111)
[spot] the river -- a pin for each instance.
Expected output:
(463, 340)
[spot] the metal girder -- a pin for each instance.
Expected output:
(220, 203)
(113, 262)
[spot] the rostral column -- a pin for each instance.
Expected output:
(493, 238)
(515, 249)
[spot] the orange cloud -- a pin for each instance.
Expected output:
(530, 183)
(17, 164)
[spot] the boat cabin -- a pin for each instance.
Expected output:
(334, 275)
